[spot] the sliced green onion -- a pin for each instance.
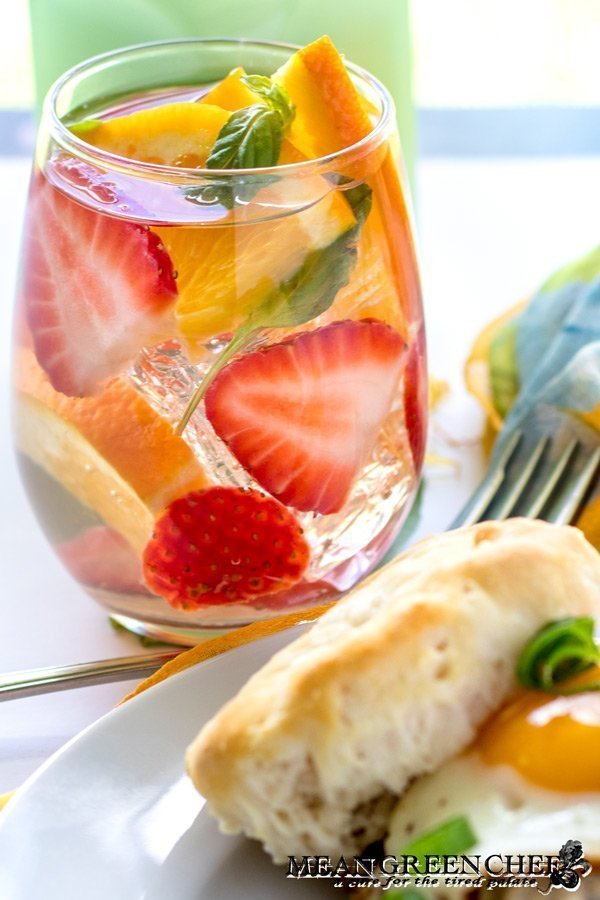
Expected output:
(557, 653)
(449, 839)
(452, 838)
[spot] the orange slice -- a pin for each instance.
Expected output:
(232, 93)
(330, 113)
(225, 271)
(112, 451)
(371, 291)
(174, 134)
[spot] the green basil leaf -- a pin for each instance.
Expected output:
(360, 199)
(276, 96)
(311, 290)
(307, 294)
(250, 139)
(557, 653)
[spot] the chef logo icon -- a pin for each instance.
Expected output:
(568, 868)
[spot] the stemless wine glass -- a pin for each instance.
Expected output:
(220, 386)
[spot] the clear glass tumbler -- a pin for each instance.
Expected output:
(219, 375)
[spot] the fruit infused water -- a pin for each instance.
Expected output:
(219, 352)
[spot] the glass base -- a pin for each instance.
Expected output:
(180, 637)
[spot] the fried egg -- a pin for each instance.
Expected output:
(529, 782)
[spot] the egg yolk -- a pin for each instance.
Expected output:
(552, 741)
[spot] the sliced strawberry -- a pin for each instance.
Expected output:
(100, 557)
(96, 289)
(303, 416)
(415, 400)
(223, 545)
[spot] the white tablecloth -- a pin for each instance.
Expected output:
(490, 230)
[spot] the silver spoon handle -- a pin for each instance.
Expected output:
(30, 682)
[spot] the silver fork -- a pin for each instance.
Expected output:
(533, 476)
(536, 476)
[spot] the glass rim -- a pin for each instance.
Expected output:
(68, 141)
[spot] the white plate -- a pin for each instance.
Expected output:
(112, 816)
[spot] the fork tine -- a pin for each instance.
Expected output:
(537, 503)
(489, 487)
(575, 491)
(511, 491)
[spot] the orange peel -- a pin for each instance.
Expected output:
(225, 642)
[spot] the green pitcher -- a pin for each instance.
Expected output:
(375, 34)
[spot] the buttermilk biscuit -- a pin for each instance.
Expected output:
(392, 681)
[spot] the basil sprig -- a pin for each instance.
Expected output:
(557, 653)
(307, 294)
(251, 138)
